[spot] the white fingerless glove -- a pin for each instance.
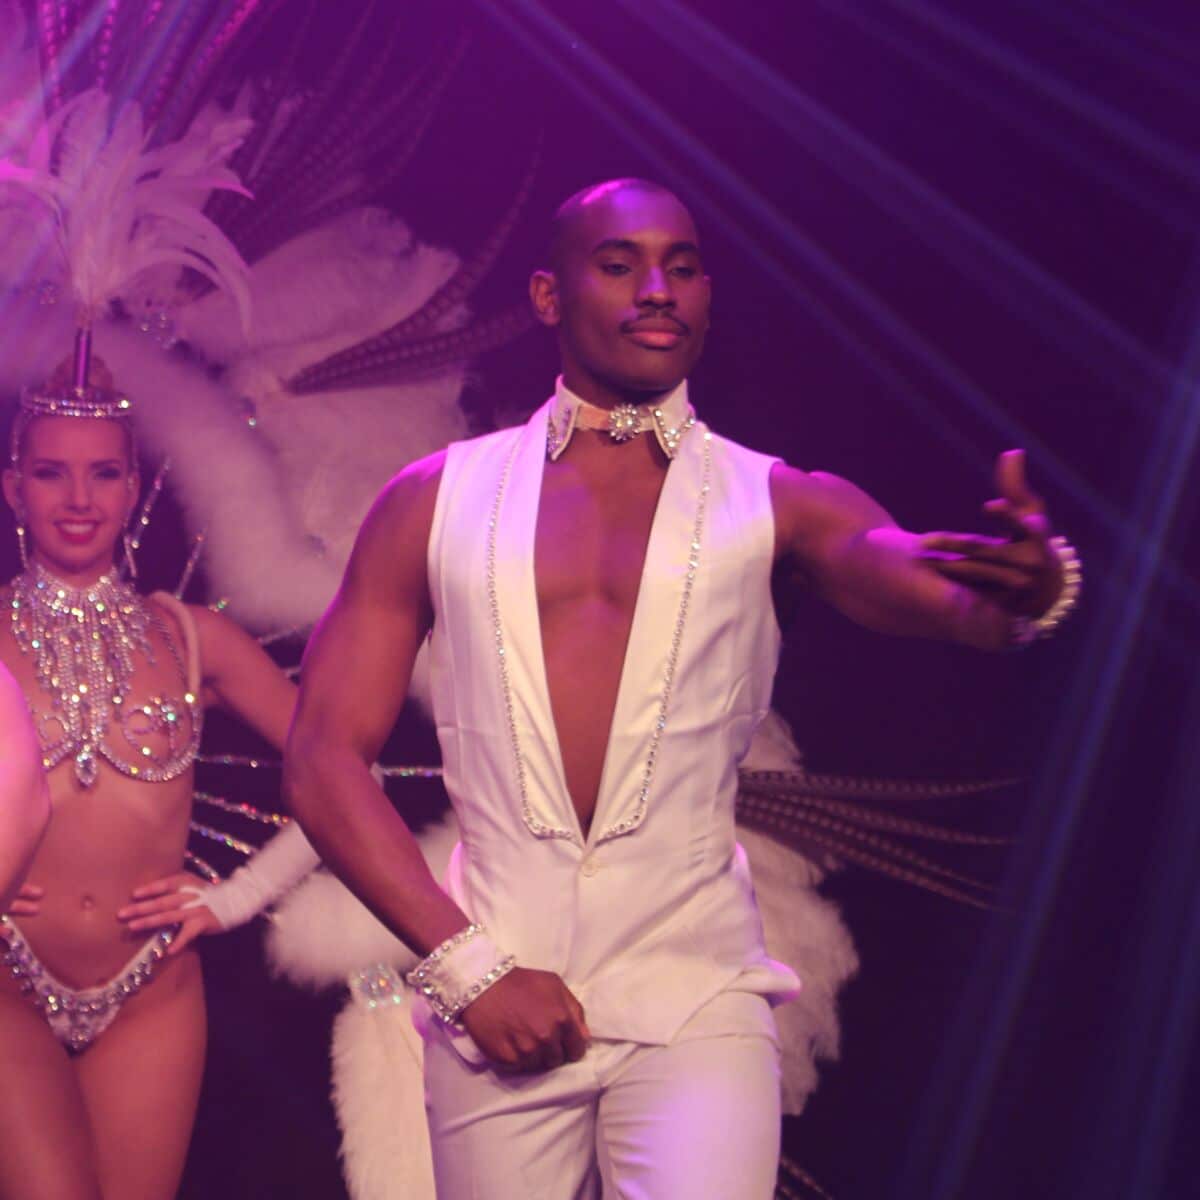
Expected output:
(285, 860)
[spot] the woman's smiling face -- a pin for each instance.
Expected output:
(74, 487)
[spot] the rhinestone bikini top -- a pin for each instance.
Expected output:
(83, 643)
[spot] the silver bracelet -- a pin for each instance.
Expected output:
(459, 971)
(1025, 630)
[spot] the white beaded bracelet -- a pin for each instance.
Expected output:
(1025, 630)
(459, 971)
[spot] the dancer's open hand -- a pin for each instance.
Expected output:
(1019, 572)
(528, 1021)
(171, 901)
(27, 902)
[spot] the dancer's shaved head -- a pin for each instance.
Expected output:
(568, 222)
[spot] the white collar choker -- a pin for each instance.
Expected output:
(668, 419)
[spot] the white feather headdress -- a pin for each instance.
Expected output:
(86, 184)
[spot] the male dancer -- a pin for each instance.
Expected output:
(598, 589)
(24, 800)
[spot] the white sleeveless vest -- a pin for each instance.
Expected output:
(653, 914)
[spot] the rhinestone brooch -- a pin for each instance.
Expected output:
(624, 422)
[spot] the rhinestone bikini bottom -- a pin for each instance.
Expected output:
(78, 1016)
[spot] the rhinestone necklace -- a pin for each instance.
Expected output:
(535, 826)
(82, 642)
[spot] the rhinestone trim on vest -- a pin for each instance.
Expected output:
(535, 826)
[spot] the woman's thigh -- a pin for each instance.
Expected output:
(140, 1081)
(46, 1150)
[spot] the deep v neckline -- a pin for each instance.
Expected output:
(620, 699)
(514, 524)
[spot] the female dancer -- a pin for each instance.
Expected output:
(102, 1032)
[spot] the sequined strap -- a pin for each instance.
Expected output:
(191, 637)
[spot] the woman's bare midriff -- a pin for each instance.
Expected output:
(101, 843)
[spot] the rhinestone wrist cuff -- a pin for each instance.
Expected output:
(1026, 630)
(459, 971)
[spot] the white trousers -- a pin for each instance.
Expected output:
(694, 1120)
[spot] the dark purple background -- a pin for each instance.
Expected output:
(798, 366)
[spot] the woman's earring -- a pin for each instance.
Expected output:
(130, 563)
(21, 543)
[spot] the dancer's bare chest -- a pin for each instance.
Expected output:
(590, 552)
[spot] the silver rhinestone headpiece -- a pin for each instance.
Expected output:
(70, 393)
(97, 402)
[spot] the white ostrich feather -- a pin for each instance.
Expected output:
(321, 935)
(806, 931)
(231, 483)
(119, 209)
(322, 291)
(800, 927)
(379, 1097)
(317, 294)
(337, 450)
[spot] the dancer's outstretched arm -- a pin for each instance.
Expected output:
(953, 586)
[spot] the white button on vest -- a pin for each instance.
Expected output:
(589, 866)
